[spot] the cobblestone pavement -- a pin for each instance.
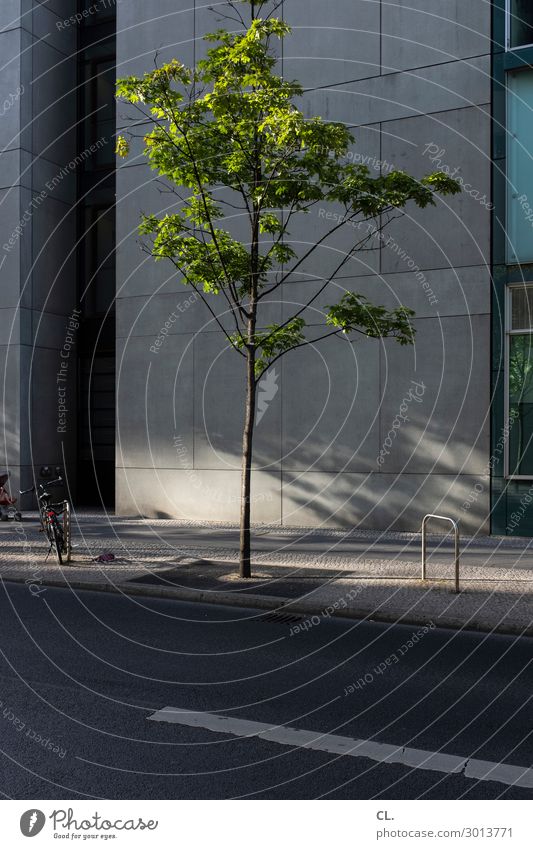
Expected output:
(358, 573)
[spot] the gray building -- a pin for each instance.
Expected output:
(370, 435)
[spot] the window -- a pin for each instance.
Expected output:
(519, 24)
(98, 127)
(519, 224)
(520, 381)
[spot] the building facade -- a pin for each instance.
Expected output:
(369, 435)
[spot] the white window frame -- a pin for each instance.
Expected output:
(509, 332)
(508, 29)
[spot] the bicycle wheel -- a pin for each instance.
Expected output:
(67, 539)
(56, 539)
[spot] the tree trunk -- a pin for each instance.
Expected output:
(245, 569)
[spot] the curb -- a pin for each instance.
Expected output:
(278, 603)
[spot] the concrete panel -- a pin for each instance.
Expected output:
(446, 291)
(417, 33)
(297, 295)
(183, 311)
(48, 26)
(54, 409)
(323, 247)
(209, 17)
(54, 270)
(145, 32)
(195, 495)
(25, 137)
(331, 406)
(155, 403)
(10, 170)
(219, 410)
(442, 291)
(393, 96)
(62, 8)
(382, 502)
(14, 14)
(24, 245)
(10, 326)
(10, 435)
(10, 267)
(435, 408)
(12, 44)
(137, 273)
(305, 230)
(54, 96)
(63, 184)
(157, 316)
(25, 355)
(320, 49)
(142, 26)
(456, 232)
(47, 330)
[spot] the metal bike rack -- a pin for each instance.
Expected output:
(67, 541)
(456, 536)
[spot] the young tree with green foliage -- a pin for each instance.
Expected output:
(230, 133)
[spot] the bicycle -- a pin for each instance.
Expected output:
(58, 533)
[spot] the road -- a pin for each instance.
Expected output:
(84, 677)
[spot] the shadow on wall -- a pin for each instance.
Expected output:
(331, 449)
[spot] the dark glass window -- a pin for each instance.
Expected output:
(96, 255)
(98, 129)
(520, 382)
(99, 260)
(520, 23)
(98, 11)
(522, 308)
(519, 166)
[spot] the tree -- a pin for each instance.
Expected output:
(229, 132)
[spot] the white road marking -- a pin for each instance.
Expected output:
(517, 776)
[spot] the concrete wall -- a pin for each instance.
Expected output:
(37, 231)
(412, 84)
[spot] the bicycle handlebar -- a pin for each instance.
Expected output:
(56, 482)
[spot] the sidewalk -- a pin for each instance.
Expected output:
(305, 572)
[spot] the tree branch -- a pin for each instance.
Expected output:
(300, 345)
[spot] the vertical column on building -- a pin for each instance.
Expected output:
(37, 238)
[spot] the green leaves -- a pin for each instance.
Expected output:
(356, 313)
(229, 133)
(276, 339)
(207, 260)
(122, 148)
(156, 85)
(270, 223)
(374, 195)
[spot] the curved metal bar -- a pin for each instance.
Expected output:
(455, 526)
(67, 540)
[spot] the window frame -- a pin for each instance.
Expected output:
(508, 47)
(515, 105)
(509, 333)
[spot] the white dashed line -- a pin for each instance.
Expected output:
(517, 776)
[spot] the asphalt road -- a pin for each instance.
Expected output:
(82, 672)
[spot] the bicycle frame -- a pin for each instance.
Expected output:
(58, 534)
